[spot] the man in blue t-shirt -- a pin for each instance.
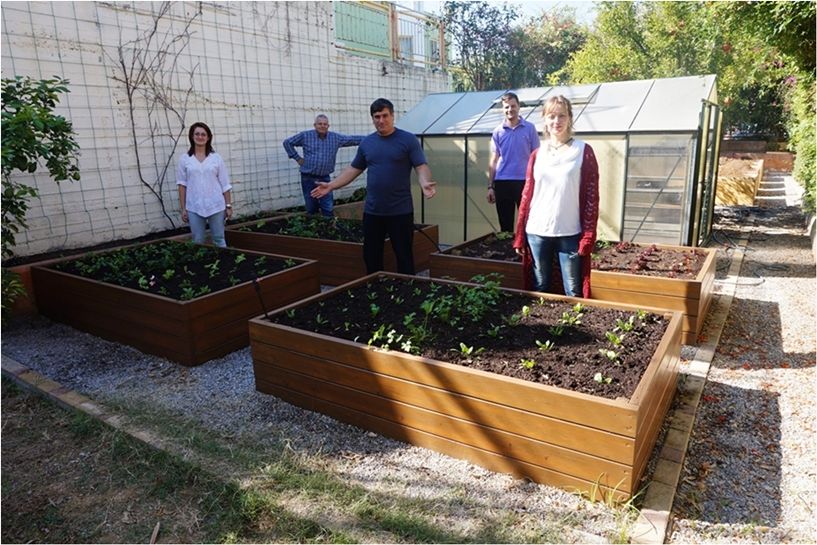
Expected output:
(389, 153)
(511, 145)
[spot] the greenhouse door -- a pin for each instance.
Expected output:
(706, 172)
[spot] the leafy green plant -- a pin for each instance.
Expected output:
(614, 339)
(601, 379)
(527, 363)
(32, 135)
(557, 330)
(468, 351)
(374, 309)
(546, 346)
(611, 355)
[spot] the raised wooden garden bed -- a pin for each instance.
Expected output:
(188, 332)
(339, 261)
(551, 435)
(692, 296)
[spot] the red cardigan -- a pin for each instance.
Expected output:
(588, 215)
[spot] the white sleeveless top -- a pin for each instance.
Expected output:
(554, 207)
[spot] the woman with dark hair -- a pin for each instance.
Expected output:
(556, 228)
(204, 187)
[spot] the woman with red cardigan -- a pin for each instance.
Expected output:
(556, 228)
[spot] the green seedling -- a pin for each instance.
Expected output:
(557, 330)
(240, 258)
(601, 379)
(290, 313)
(614, 339)
(375, 310)
(320, 320)
(625, 326)
(527, 364)
(494, 331)
(525, 311)
(546, 346)
(611, 355)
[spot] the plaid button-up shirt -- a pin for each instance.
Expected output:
(320, 154)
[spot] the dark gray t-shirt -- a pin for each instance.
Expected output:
(389, 160)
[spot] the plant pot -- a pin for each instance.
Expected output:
(339, 261)
(188, 332)
(550, 435)
(692, 297)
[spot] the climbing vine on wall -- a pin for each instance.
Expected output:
(148, 68)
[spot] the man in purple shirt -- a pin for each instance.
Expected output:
(320, 150)
(511, 145)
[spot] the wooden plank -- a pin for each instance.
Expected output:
(667, 302)
(513, 446)
(340, 262)
(163, 326)
(486, 459)
(610, 415)
(57, 281)
(269, 361)
(645, 284)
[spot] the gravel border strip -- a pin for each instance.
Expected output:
(653, 521)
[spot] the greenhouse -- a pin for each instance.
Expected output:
(656, 142)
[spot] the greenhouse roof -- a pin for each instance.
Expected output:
(670, 104)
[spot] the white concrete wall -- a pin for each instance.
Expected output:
(261, 71)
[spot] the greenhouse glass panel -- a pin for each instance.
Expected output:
(462, 115)
(429, 110)
(611, 155)
(480, 216)
(613, 108)
(658, 171)
(446, 209)
(662, 109)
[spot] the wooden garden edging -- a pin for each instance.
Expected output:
(339, 261)
(551, 435)
(187, 332)
(692, 297)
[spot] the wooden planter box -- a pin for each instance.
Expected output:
(187, 332)
(550, 435)
(339, 262)
(691, 297)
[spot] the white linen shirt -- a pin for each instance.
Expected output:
(206, 181)
(554, 206)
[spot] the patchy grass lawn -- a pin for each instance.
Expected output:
(70, 479)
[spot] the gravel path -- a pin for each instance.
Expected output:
(750, 473)
(750, 470)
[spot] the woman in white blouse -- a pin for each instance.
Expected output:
(204, 187)
(556, 228)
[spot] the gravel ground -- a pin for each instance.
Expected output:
(750, 473)
(750, 470)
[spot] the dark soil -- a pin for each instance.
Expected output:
(358, 195)
(345, 230)
(442, 320)
(179, 270)
(625, 257)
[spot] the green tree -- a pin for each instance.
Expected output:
(32, 135)
(480, 35)
(542, 46)
(643, 40)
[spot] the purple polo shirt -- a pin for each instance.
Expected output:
(513, 145)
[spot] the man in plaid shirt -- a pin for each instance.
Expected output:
(320, 150)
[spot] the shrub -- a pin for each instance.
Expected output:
(801, 127)
(32, 134)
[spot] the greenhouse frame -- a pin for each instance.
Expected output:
(656, 141)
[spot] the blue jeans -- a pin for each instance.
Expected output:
(198, 226)
(543, 250)
(325, 203)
